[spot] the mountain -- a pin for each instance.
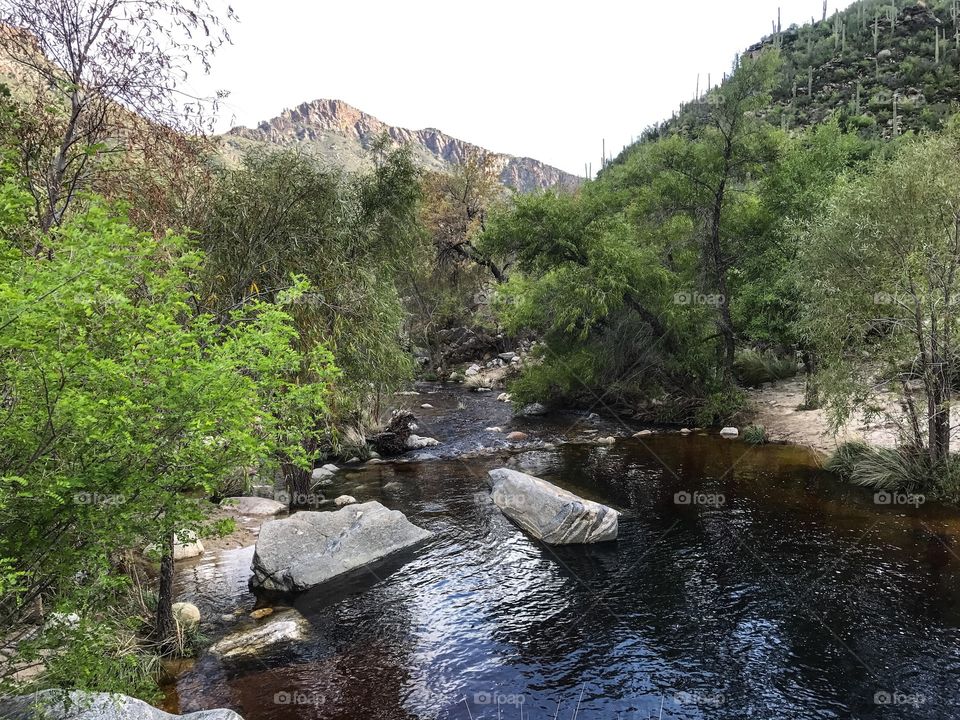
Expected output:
(341, 134)
(884, 68)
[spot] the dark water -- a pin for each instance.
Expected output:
(774, 593)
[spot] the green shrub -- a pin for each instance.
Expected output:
(755, 435)
(845, 457)
(753, 368)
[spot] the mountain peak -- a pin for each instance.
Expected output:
(341, 133)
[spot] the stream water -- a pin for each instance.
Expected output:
(745, 584)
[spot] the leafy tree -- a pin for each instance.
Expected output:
(349, 235)
(123, 406)
(455, 209)
(106, 77)
(883, 275)
(711, 170)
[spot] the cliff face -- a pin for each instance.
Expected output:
(340, 134)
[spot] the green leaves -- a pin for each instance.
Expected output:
(119, 402)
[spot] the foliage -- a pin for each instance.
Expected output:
(755, 435)
(753, 368)
(882, 268)
(350, 236)
(123, 405)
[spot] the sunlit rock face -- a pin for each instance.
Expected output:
(550, 513)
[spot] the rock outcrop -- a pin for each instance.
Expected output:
(550, 513)
(77, 705)
(309, 548)
(341, 134)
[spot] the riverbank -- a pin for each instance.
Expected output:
(777, 407)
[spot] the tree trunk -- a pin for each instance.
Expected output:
(165, 627)
(298, 485)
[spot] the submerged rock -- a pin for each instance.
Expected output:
(281, 628)
(309, 548)
(550, 513)
(78, 705)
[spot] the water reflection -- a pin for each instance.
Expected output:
(794, 597)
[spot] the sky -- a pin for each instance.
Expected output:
(549, 80)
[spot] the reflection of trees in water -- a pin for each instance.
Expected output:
(711, 602)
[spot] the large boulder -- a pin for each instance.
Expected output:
(77, 705)
(282, 628)
(550, 513)
(309, 548)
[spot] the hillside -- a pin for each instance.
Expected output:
(341, 134)
(885, 67)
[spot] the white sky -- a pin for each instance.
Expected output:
(549, 80)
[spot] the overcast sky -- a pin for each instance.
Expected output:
(550, 80)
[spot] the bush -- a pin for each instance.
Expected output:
(753, 368)
(895, 469)
(755, 435)
(845, 457)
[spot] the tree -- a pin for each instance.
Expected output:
(123, 407)
(455, 210)
(883, 270)
(109, 78)
(350, 235)
(728, 146)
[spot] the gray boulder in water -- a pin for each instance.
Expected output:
(309, 548)
(550, 513)
(77, 705)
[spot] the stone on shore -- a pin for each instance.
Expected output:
(79, 705)
(729, 432)
(416, 442)
(246, 505)
(186, 614)
(550, 513)
(309, 548)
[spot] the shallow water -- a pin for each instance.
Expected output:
(774, 593)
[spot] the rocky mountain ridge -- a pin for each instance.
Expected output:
(342, 134)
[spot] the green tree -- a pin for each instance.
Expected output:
(350, 235)
(712, 169)
(123, 407)
(882, 267)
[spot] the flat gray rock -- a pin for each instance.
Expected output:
(309, 548)
(77, 705)
(254, 505)
(550, 513)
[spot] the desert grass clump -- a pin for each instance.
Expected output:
(756, 435)
(753, 368)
